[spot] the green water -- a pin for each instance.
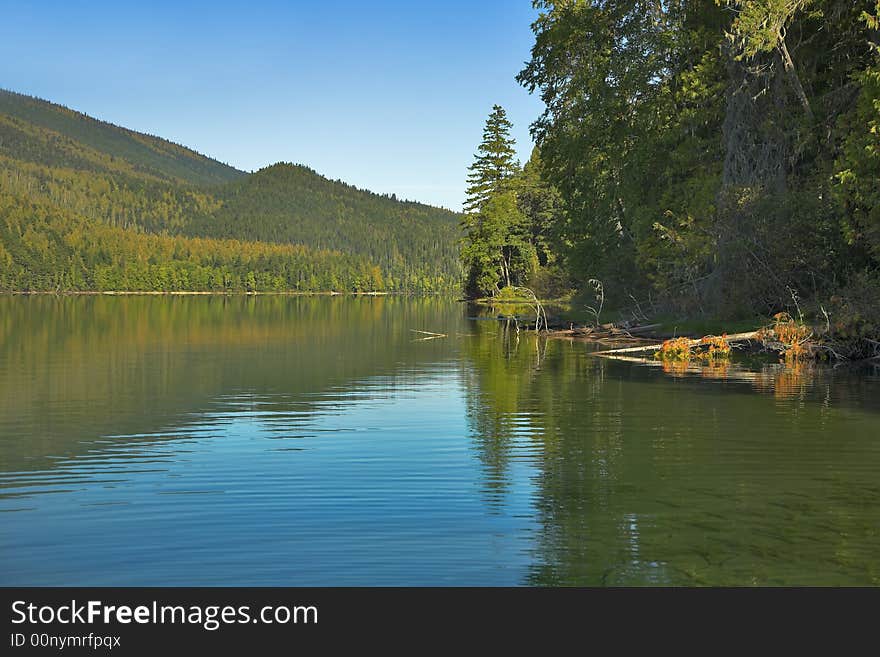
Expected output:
(322, 441)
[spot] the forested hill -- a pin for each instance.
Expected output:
(86, 205)
(39, 131)
(287, 203)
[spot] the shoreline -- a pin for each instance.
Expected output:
(183, 293)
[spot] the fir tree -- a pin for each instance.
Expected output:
(496, 249)
(494, 163)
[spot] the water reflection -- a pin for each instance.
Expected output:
(650, 474)
(280, 440)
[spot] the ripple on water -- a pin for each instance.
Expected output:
(322, 456)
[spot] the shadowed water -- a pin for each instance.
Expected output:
(322, 441)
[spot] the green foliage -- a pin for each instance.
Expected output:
(413, 245)
(761, 25)
(495, 162)
(492, 221)
(617, 138)
(541, 205)
(509, 225)
(45, 248)
(858, 165)
(709, 156)
(85, 205)
(496, 248)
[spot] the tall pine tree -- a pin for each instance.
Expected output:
(492, 220)
(494, 163)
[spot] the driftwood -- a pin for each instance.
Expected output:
(644, 328)
(736, 337)
(429, 334)
(606, 332)
(540, 315)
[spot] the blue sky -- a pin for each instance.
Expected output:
(387, 95)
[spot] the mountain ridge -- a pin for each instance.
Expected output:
(152, 151)
(66, 177)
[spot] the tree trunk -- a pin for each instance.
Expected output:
(505, 266)
(736, 337)
(793, 77)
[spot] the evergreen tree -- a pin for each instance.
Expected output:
(493, 243)
(498, 249)
(494, 163)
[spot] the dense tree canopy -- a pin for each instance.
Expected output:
(413, 244)
(498, 248)
(85, 205)
(711, 155)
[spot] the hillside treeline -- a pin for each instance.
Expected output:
(85, 205)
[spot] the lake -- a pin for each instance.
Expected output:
(292, 441)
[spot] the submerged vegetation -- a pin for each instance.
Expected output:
(702, 159)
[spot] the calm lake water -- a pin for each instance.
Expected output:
(321, 441)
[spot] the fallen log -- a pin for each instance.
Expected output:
(429, 335)
(736, 337)
(643, 328)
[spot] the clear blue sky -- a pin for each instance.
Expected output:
(387, 95)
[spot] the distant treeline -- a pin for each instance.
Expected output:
(45, 248)
(86, 205)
